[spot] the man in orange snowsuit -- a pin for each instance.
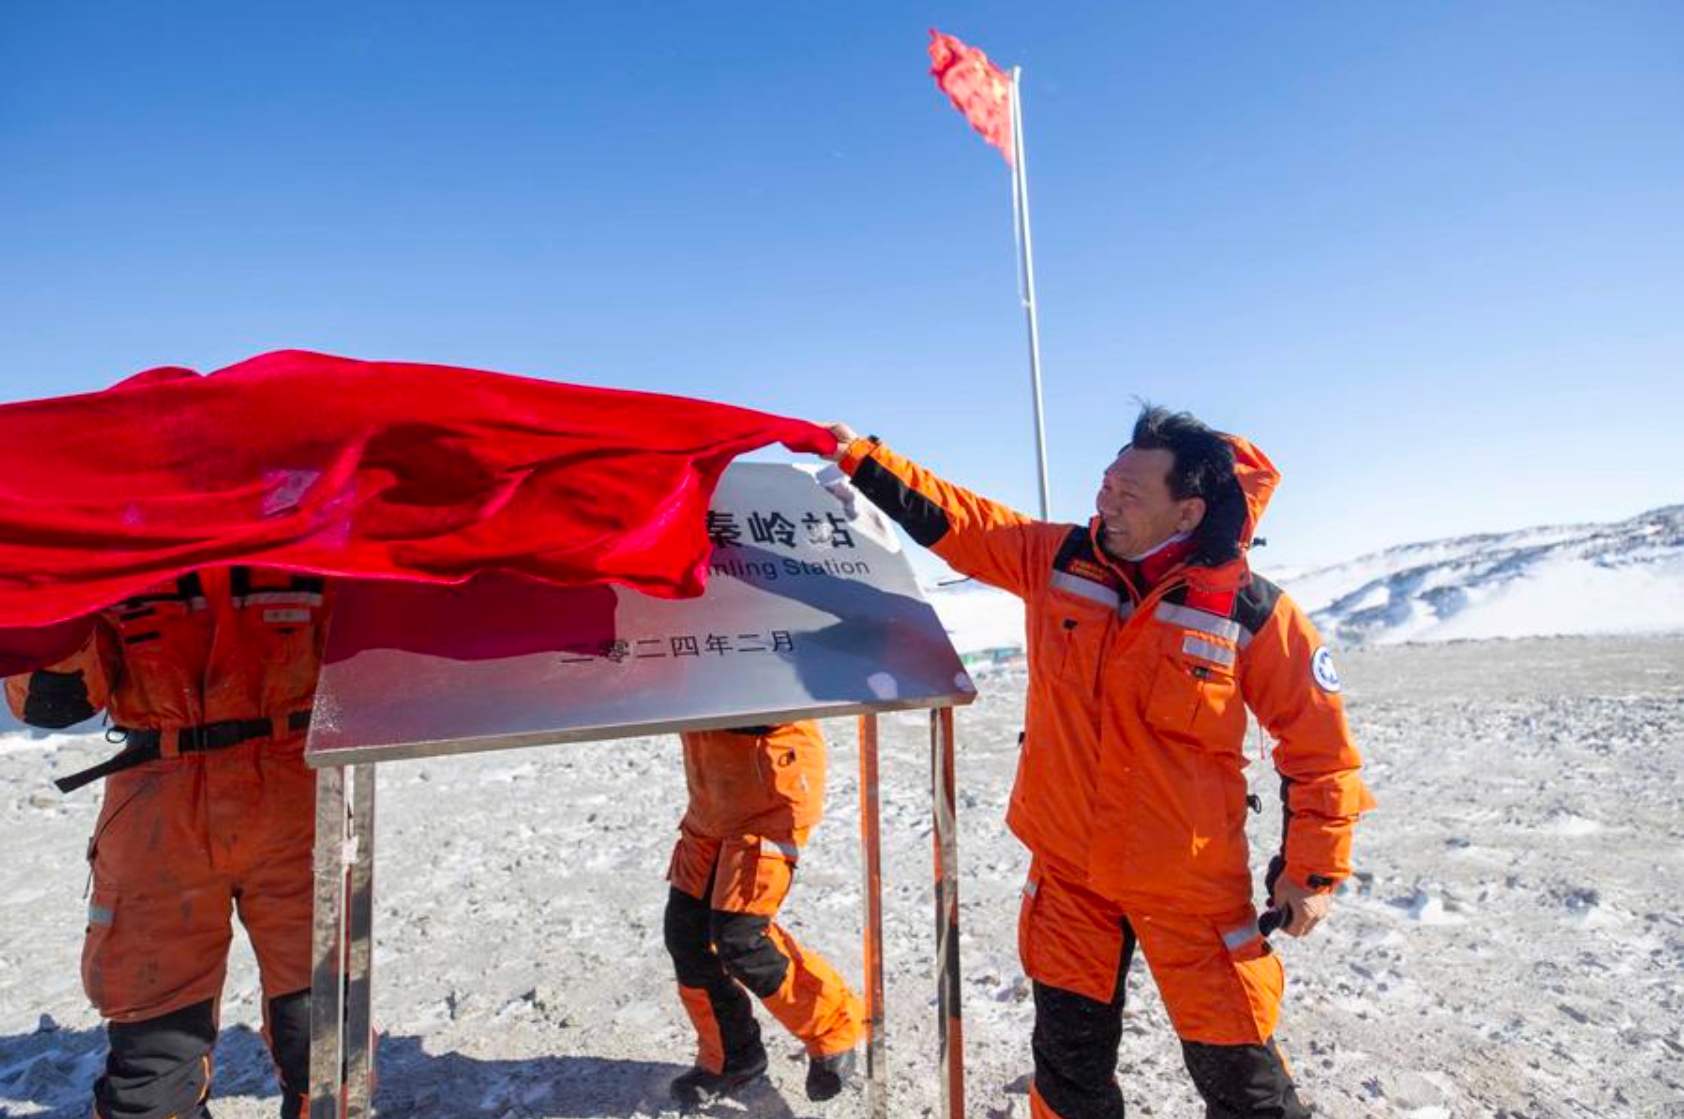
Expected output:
(1148, 638)
(208, 810)
(755, 794)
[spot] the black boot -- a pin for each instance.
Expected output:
(827, 1076)
(690, 942)
(699, 1087)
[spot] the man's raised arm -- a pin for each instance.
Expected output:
(977, 537)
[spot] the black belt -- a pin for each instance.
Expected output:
(142, 746)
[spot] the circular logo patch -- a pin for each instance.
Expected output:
(1321, 667)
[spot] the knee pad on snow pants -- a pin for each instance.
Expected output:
(1243, 1081)
(689, 941)
(748, 953)
(689, 937)
(289, 1044)
(1075, 1046)
(159, 1068)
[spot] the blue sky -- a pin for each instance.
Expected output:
(1430, 256)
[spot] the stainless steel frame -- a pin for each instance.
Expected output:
(948, 995)
(342, 971)
(417, 671)
(876, 1073)
(359, 952)
(369, 755)
(327, 978)
(342, 989)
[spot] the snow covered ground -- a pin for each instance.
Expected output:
(1513, 945)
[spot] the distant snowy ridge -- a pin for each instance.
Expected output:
(1623, 577)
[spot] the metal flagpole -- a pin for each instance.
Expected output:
(1026, 274)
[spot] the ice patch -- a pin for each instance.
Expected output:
(1571, 824)
(1428, 908)
(1584, 908)
(509, 776)
(24, 743)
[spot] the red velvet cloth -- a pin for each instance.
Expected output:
(351, 468)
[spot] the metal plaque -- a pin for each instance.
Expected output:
(812, 611)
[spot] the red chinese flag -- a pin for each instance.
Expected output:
(383, 470)
(977, 88)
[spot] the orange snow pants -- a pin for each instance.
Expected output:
(181, 844)
(1219, 978)
(722, 937)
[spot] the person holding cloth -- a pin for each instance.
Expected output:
(1149, 637)
(209, 680)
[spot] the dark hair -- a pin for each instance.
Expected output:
(1204, 468)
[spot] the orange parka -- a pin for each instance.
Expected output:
(766, 781)
(216, 646)
(1131, 774)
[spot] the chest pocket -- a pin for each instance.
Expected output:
(1195, 696)
(727, 778)
(787, 773)
(280, 617)
(1072, 628)
(165, 636)
(150, 624)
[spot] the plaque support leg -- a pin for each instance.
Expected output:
(342, 945)
(359, 955)
(327, 956)
(950, 1026)
(876, 1076)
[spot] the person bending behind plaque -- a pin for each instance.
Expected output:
(755, 794)
(208, 809)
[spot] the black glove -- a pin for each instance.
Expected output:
(57, 700)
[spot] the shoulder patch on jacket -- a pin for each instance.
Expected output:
(1076, 555)
(1254, 606)
(1322, 670)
